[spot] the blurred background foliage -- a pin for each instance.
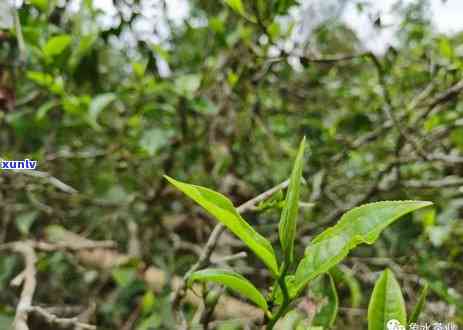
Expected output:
(108, 102)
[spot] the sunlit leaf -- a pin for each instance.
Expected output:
(223, 210)
(419, 304)
(98, 104)
(288, 221)
(237, 6)
(386, 303)
(153, 139)
(233, 281)
(360, 225)
(56, 45)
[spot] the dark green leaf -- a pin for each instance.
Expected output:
(419, 304)
(326, 298)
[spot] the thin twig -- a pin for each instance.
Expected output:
(29, 284)
(214, 237)
(48, 177)
(59, 321)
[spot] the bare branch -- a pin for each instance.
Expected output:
(29, 282)
(58, 321)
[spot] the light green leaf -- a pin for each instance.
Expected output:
(232, 280)
(288, 221)
(360, 225)
(98, 104)
(153, 139)
(223, 210)
(148, 302)
(139, 68)
(419, 304)
(44, 108)
(24, 221)
(187, 84)
(154, 321)
(124, 276)
(56, 45)
(40, 78)
(40, 4)
(290, 320)
(237, 6)
(386, 303)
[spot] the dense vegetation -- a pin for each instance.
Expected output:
(222, 100)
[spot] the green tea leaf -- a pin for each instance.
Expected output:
(44, 108)
(343, 274)
(237, 6)
(386, 303)
(153, 140)
(42, 5)
(419, 304)
(232, 280)
(24, 221)
(327, 300)
(223, 210)
(360, 225)
(288, 221)
(56, 45)
(290, 320)
(98, 104)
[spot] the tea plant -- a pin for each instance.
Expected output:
(386, 309)
(362, 224)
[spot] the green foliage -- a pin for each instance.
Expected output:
(56, 45)
(386, 303)
(98, 104)
(323, 291)
(223, 210)
(288, 221)
(238, 6)
(359, 225)
(109, 96)
(419, 305)
(232, 280)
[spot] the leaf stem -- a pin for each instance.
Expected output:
(285, 304)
